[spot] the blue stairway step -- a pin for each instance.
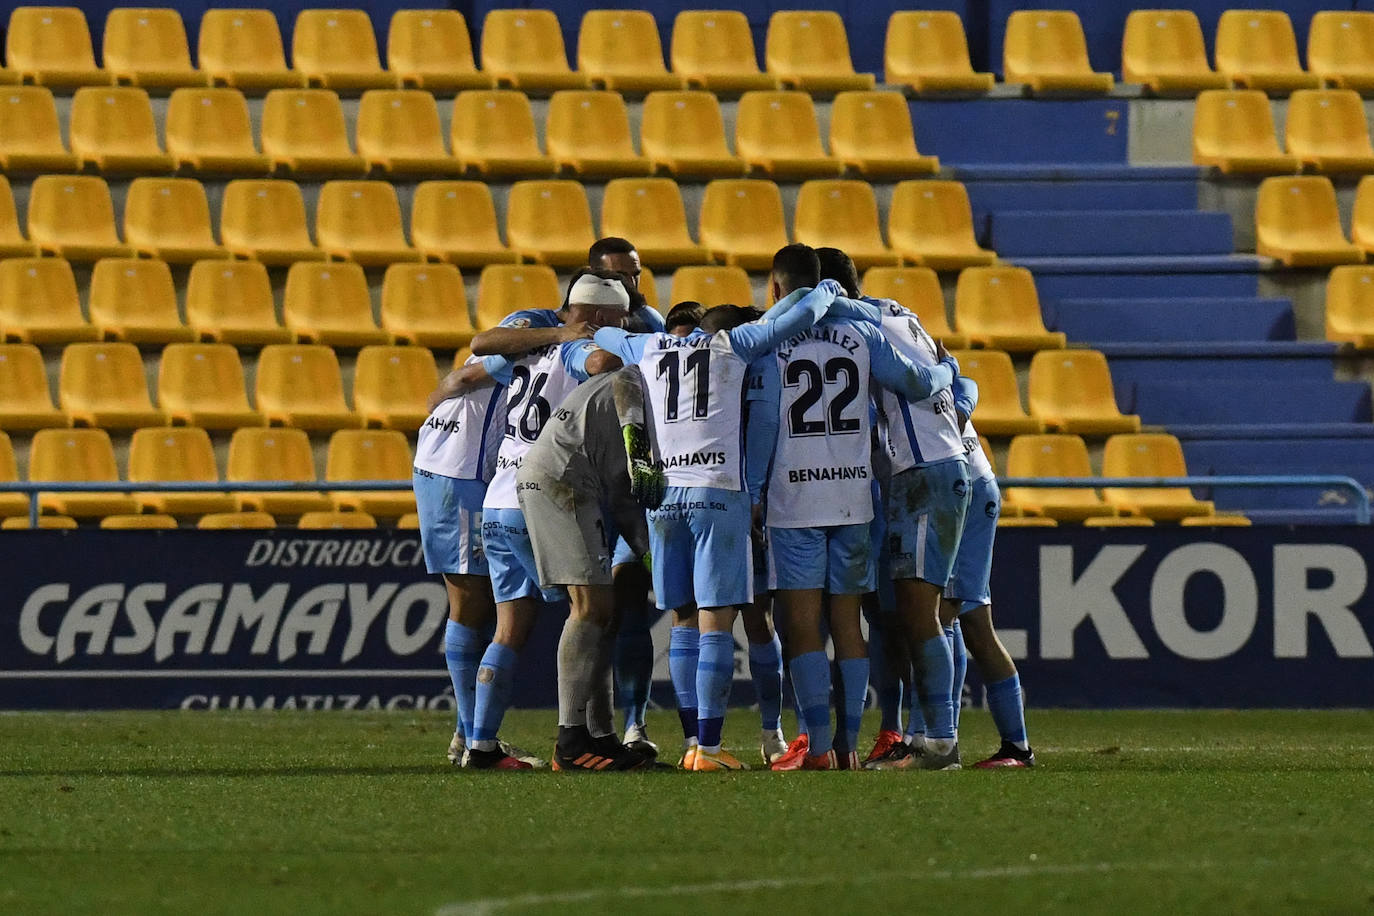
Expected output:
(1224, 354)
(1065, 171)
(1301, 456)
(1354, 430)
(1253, 402)
(1128, 321)
(1304, 517)
(1147, 265)
(1102, 284)
(1109, 233)
(1019, 194)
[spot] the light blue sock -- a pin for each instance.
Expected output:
(715, 674)
(462, 651)
(885, 680)
(811, 679)
(634, 666)
(936, 673)
(765, 668)
(684, 647)
(955, 635)
(495, 678)
(1004, 702)
(854, 683)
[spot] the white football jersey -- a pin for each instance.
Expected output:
(463, 434)
(978, 464)
(539, 381)
(822, 468)
(694, 395)
(924, 431)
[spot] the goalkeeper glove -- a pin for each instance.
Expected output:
(647, 482)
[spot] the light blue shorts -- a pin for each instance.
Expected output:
(925, 518)
(623, 553)
(839, 559)
(450, 510)
(887, 598)
(973, 565)
(699, 539)
(511, 558)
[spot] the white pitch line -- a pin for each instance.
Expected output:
(485, 906)
(1114, 750)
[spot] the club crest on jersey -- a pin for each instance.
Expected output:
(518, 323)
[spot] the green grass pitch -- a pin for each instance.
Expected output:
(1197, 812)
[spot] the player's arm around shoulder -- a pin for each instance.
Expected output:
(460, 381)
(583, 359)
(788, 317)
(529, 329)
(895, 371)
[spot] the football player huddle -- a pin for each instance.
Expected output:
(816, 463)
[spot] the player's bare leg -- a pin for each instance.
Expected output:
(1003, 689)
(765, 669)
(715, 674)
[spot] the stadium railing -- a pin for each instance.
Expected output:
(32, 488)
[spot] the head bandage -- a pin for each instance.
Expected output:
(595, 291)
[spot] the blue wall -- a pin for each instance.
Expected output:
(984, 20)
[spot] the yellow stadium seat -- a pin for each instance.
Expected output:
(299, 385)
(25, 402)
(871, 133)
(927, 50)
(136, 301)
(45, 522)
(742, 222)
(277, 455)
(208, 131)
(1327, 130)
(390, 386)
(461, 357)
(370, 454)
(303, 133)
(1163, 51)
(524, 49)
(12, 505)
(265, 220)
(72, 455)
(30, 138)
(506, 288)
(1257, 49)
(243, 49)
(776, 134)
(202, 385)
(714, 49)
(684, 133)
(455, 221)
(1297, 222)
(330, 304)
(39, 303)
(917, 288)
(426, 304)
(1149, 455)
(1118, 521)
(999, 410)
(930, 223)
(231, 302)
(1350, 303)
(1221, 520)
(12, 241)
(1233, 130)
(169, 218)
(335, 520)
(137, 522)
(147, 47)
(648, 287)
(999, 307)
(621, 50)
(809, 50)
(492, 133)
(216, 521)
(399, 133)
(361, 221)
(1025, 521)
(432, 49)
(1055, 455)
(712, 286)
(1046, 50)
(51, 46)
(103, 384)
(176, 454)
(112, 129)
(1340, 49)
(843, 214)
(72, 217)
(1071, 392)
(588, 134)
(650, 211)
(337, 49)
(549, 222)
(409, 522)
